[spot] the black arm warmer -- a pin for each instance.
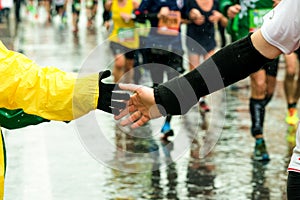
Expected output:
(142, 17)
(229, 65)
(106, 15)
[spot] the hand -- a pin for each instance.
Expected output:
(164, 12)
(196, 17)
(141, 106)
(194, 13)
(106, 24)
(109, 99)
(215, 17)
(126, 17)
(233, 10)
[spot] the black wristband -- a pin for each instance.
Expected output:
(229, 65)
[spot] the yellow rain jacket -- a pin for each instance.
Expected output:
(46, 92)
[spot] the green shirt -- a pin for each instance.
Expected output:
(240, 26)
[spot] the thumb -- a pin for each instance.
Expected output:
(104, 74)
(129, 87)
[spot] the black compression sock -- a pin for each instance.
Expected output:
(292, 105)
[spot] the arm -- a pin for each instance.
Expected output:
(107, 5)
(229, 65)
(49, 92)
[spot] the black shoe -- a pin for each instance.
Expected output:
(167, 134)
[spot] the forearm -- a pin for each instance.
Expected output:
(223, 21)
(229, 65)
(46, 92)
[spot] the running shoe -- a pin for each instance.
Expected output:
(166, 131)
(291, 134)
(260, 150)
(203, 106)
(292, 117)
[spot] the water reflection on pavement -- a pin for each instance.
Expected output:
(49, 161)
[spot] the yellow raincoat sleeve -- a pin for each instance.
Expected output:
(47, 92)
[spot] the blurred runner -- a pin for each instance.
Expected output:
(91, 12)
(76, 6)
(292, 87)
(123, 38)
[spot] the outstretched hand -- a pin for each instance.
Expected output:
(141, 106)
(110, 100)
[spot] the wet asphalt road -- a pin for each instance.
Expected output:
(53, 161)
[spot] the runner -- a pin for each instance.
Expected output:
(76, 6)
(244, 17)
(123, 38)
(163, 46)
(201, 41)
(47, 5)
(60, 8)
(91, 12)
(292, 87)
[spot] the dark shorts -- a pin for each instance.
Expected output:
(168, 58)
(200, 48)
(76, 8)
(58, 7)
(120, 49)
(293, 185)
(272, 67)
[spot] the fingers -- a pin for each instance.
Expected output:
(136, 120)
(132, 118)
(140, 122)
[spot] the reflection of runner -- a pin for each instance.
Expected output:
(200, 173)
(5, 7)
(260, 189)
(47, 6)
(242, 57)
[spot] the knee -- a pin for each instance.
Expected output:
(119, 63)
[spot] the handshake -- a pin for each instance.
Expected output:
(113, 99)
(141, 106)
(174, 97)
